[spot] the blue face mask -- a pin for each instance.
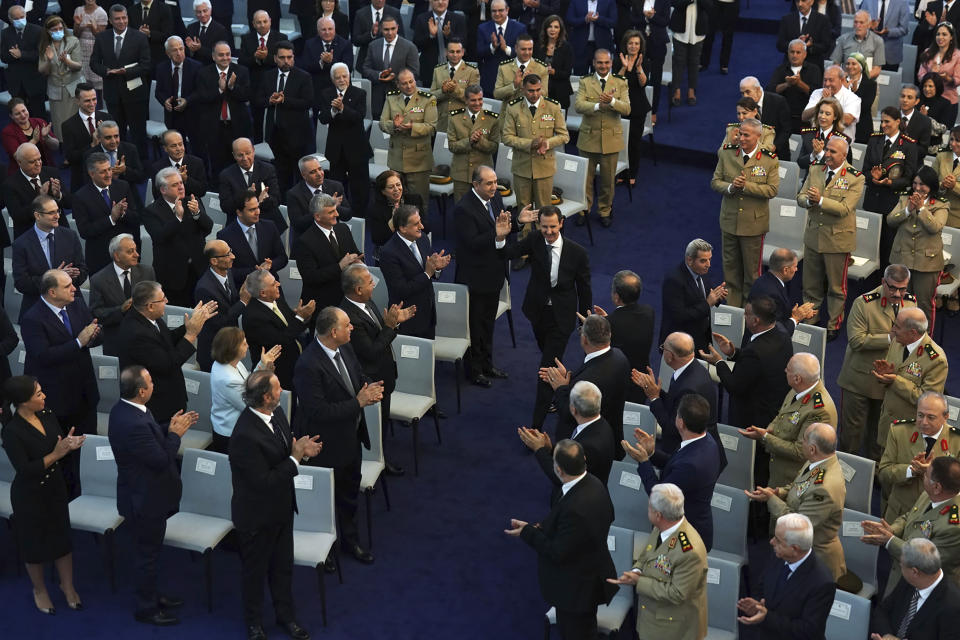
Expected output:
(20, 23)
(57, 36)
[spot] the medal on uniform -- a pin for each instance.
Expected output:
(795, 418)
(926, 527)
(662, 564)
(802, 487)
(841, 183)
(915, 369)
(547, 117)
(757, 170)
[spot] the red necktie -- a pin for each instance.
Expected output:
(90, 126)
(224, 114)
(262, 42)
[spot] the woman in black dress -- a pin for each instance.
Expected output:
(938, 108)
(388, 194)
(555, 51)
(33, 442)
(629, 64)
(859, 82)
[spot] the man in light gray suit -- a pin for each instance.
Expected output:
(110, 293)
(386, 58)
(894, 27)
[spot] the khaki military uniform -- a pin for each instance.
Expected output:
(919, 245)
(468, 155)
(672, 591)
(744, 215)
(868, 339)
(732, 136)
(533, 173)
(505, 90)
(465, 75)
(944, 167)
(904, 443)
(601, 134)
(830, 237)
(411, 152)
(818, 494)
(925, 369)
(940, 525)
(784, 439)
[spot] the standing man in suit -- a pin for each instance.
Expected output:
(176, 88)
(388, 56)
(103, 208)
(449, 83)
(319, 55)
(121, 56)
(191, 167)
(432, 31)
(558, 291)
(798, 592)
(591, 28)
(924, 605)
(774, 112)
(123, 156)
(409, 117)
(33, 179)
(80, 130)
(332, 392)
(217, 284)
(573, 582)
(892, 27)
(473, 133)
(111, 288)
(812, 27)
(670, 573)
(46, 246)
(258, 50)
(148, 484)
(631, 323)
(342, 109)
(286, 95)
(268, 320)
(144, 337)
(248, 173)
(263, 462)
(409, 267)
(177, 227)
(747, 177)
(688, 295)
(496, 39)
(794, 80)
(204, 32)
(773, 284)
(223, 97)
(314, 182)
(366, 26)
(19, 51)
(912, 122)
(255, 243)
(155, 22)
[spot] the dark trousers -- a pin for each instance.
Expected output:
(83, 422)
(132, 114)
(654, 79)
(552, 341)
(584, 61)
(181, 293)
(148, 535)
(267, 553)
(724, 20)
(577, 625)
(346, 495)
(219, 153)
(358, 182)
(221, 444)
(483, 313)
(286, 155)
(686, 60)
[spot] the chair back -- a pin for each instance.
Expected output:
(730, 508)
(860, 557)
(740, 455)
(951, 243)
(637, 415)
(504, 164)
(492, 104)
(795, 143)
(723, 591)
(286, 403)
(174, 316)
(314, 491)
(504, 303)
(415, 365)
(12, 301)
(665, 373)
(789, 180)
(629, 497)
(375, 430)
(441, 150)
(858, 150)
(358, 229)
(18, 356)
(866, 256)
(379, 139)
(200, 398)
(366, 85)
(849, 617)
(728, 321)
(98, 469)
(858, 473)
(953, 411)
(148, 195)
(620, 545)
(809, 338)
(787, 225)
(453, 310)
(107, 369)
(7, 472)
(207, 483)
(381, 297)
(888, 87)
(291, 282)
(146, 249)
(909, 63)
(571, 176)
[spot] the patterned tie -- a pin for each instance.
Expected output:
(473, 118)
(92, 129)
(113, 158)
(522, 68)
(263, 43)
(909, 615)
(248, 176)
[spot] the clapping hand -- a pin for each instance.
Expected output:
(754, 612)
(305, 447)
(349, 259)
(89, 333)
(949, 181)
(752, 432)
(181, 421)
(516, 526)
(762, 494)
(69, 269)
(118, 210)
(396, 314)
(878, 533)
(534, 439)
(69, 443)
(801, 312)
(504, 225)
(885, 372)
(194, 322)
(305, 310)
(268, 358)
(627, 577)
(646, 381)
(528, 214)
(437, 262)
(370, 393)
(920, 463)
(557, 376)
(717, 294)
(739, 181)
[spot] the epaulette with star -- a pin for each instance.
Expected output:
(878, 133)
(425, 94)
(769, 152)
(508, 61)
(842, 135)
(732, 145)
(515, 101)
(944, 150)
(541, 62)
(766, 126)
(910, 297)
(491, 113)
(734, 124)
(818, 400)
(617, 75)
(819, 162)
(930, 351)
(471, 63)
(870, 297)
(908, 138)
(854, 171)
(395, 92)
(821, 474)
(684, 541)
(954, 512)
(456, 112)
(808, 130)
(442, 64)
(551, 100)
(955, 430)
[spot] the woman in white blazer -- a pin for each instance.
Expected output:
(227, 377)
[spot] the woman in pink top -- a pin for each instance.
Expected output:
(943, 59)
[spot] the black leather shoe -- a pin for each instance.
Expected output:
(256, 632)
(580, 220)
(358, 552)
(441, 414)
(832, 334)
(606, 222)
(294, 630)
(392, 469)
(493, 372)
(330, 565)
(170, 602)
(481, 381)
(160, 618)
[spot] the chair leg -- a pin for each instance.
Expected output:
(589, 228)
(323, 593)
(546, 628)
(366, 495)
(208, 570)
(457, 373)
(415, 430)
(513, 335)
(653, 149)
(386, 493)
(436, 422)
(336, 560)
(108, 552)
(443, 214)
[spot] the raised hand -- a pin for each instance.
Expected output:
(267, 358)
(181, 421)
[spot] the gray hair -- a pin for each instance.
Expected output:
(178, 39)
(199, 3)
(797, 41)
(750, 81)
(834, 68)
(327, 320)
(936, 395)
(142, 292)
(839, 140)
(798, 530)
(95, 158)
(782, 257)
(320, 202)
(323, 20)
(596, 330)
(106, 124)
(51, 280)
(667, 499)
(862, 12)
(163, 176)
(696, 247)
(921, 554)
(352, 277)
(26, 146)
(116, 240)
(585, 398)
(302, 162)
(10, 11)
(822, 436)
(627, 285)
(337, 65)
(913, 318)
(752, 123)
(897, 273)
(255, 282)
(805, 365)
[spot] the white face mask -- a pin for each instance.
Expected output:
(20, 23)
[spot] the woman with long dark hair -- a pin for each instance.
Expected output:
(943, 59)
(554, 50)
(388, 194)
(630, 64)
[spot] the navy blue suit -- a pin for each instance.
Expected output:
(309, 61)
(685, 307)
(694, 468)
(757, 384)
(229, 309)
(30, 263)
(182, 121)
(580, 30)
(769, 285)
(269, 245)
(407, 282)
(490, 61)
(92, 215)
(798, 609)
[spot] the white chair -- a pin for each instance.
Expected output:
(888, 88)
(723, 591)
(204, 518)
(199, 399)
(849, 617)
(740, 454)
(174, 317)
(315, 525)
(373, 464)
(908, 63)
(648, 126)
(381, 297)
(571, 176)
(787, 224)
(415, 393)
(358, 229)
(107, 370)
(860, 557)
(789, 179)
(156, 123)
(809, 338)
(730, 508)
(629, 497)
(504, 168)
(7, 474)
(492, 104)
(290, 282)
(951, 245)
(453, 327)
(638, 415)
(858, 473)
(795, 143)
(505, 306)
(857, 150)
(866, 256)
(953, 411)
(728, 321)
(95, 510)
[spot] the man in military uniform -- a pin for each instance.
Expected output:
(670, 574)
(808, 401)
(947, 166)
(912, 445)
(473, 137)
(410, 117)
(868, 339)
(510, 74)
(602, 99)
(817, 492)
(748, 177)
(935, 515)
(450, 79)
(830, 194)
(914, 364)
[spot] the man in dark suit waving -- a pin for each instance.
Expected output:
(313, 183)
(19, 51)
(573, 581)
(342, 109)
(331, 394)
(631, 324)
(148, 484)
(248, 173)
(217, 284)
(223, 95)
(263, 462)
(688, 295)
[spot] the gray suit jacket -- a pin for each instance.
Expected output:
(404, 56)
(106, 299)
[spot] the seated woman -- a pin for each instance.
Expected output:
(748, 108)
(825, 126)
(22, 128)
(388, 194)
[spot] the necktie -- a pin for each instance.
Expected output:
(376, 19)
(909, 615)
(886, 147)
(896, 310)
(113, 158)
(533, 111)
(117, 46)
(930, 442)
(51, 248)
(66, 321)
(282, 82)
(552, 254)
(335, 245)
(92, 129)
(224, 114)
(829, 177)
(883, 10)
(106, 198)
(279, 435)
(249, 177)
(279, 314)
(176, 165)
(263, 43)
(493, 216)
(36, 184)
(906, 353)
(176, 81)
(406, 101)
(343, 371)
(252, 239)
(386, 55)
(203, 31)
(452, 71)
(473, 118)
(522, 68)
(700, 286)
(416, 253)
(373, 314)
(146, 12)
(499, 32)
(603, 84)
(340, 94)
(803, 23)
(955, 163)
(126, 284)
(745, 158)
(441, 45)
(782, 579)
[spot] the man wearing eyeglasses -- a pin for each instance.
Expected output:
(217, 284)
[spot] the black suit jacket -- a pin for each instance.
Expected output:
(8, 342)
(134, 173)
(796, 98)
(818, 28)
(134, 51)
(209, 99)
(479, 264)
(160, 21)
(262, 472)
(919, 128)
(867, 92)
(362, 23)
(215, 33)
(163, 74)
(195, 183)
(757, 385)
(610, 371)
(371, 344)
(684, 306)
(298, 206)
(233, 185)
(800, 608)
(430, 52)
(631, 331)
(407, 282)
(573, 562)
(30, 263)
(309, 61)
(769, 285)
(177, 245)
(598, 448)
(269, 245)
(18, 194)
(264, 330)
(249, 44)
(76, 140)
(935, 620)
(326, 407)
(286, 122)
(924, 33)
(776, 113)
(319, 266)
(107, 299)
(346, 137)
(162, 352)
(229, 309)
(21, 73)
(92, 215)
(882, 199)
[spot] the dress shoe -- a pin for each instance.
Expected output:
(256, 632)
(481, 381)
(76, 606)
(552, 408)
(159, 618)
(441, 414)
(392, 469)
(832, 334)
(493, 372)
(606, 222)
(519, 264)
(170, 602)
(50, 611)
(358, 552)
(692, 100)
(580, 220)
(294, 630)
(675, 101)
(725, 70)
(330, 565)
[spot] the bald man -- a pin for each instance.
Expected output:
(248, 172)
(216, 283)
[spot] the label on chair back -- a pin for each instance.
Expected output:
(104, 453)
(611, 543)
(840, 610)
(631, 417)
(193, 386)
(447, 297)
(106, 372)
(863, 222)
(801, 337)
(729, 442)
(722, 319)
(852, 529)
(304, 482)
(207, 466)
(713, 576)
(788, 211)
(410, 351)
(721, 501)
(630, 480)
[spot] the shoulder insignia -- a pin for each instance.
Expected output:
(910, 297)
(945, 510)
(395, 92)
(855, 172)
(808, 130)
(878, 133)
(442, 64)
(769, 152)
(908, 138)
(425, 94)
(817, 400)
(457, 112)
(954, 515)
(516, 100)
(617, 75)
(672, 543)
(470, 63)
(551, 100)
(540, 62)
(930, 351)
(942, 198)
(507, 61)
(732, 145)
(914, 437)
(766, 126)
(818, 163)
(805, 399)
(821, 474)
(870, 297)
(491, 113)
(736, 125)
(684, 541)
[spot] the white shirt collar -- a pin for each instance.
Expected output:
(533, 104)
(410, 243)
(809, 389)
(56, 310)
(486, 203)
(796, 565)
(591, 356)
(41, 234)
(359, 305)
(677, 372)
(913, 345)
(925, 593)
(84, 116)
(757, 335)
(221, 279)
(122, 34)
(814, 465)
(669, 531)
(119, 271)
(581, 427)
(684, 443)
(266, 419)
(558, 243)
(142, 408)
(330, 352)
(456, 67)
(566, 486)
(894, 138)
(28, 178)
(326, 232)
